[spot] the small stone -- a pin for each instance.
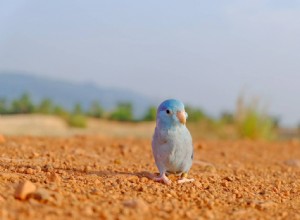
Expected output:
(2, 199)
(29, 171)
(137, 204)
(117, 161)
(229, 178)
(292, 163)
(24, 189)
(38, 169)
(88, 211)
(210, 169)
(265, 205)
(209, 214)
(48, 168)
(54, 177)
(95, 192)
(41, 195)
(2, 139)
(34, 155)
(87, 169)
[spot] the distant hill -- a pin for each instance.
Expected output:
(66, 94)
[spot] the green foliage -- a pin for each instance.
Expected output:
(150, 114)
(194, 114)
(3, 106)
(96, 110)
(227, 118)
(22, 105)
(254, 123)
(60, 111)
(77, 110)
(123, 112)
(45, 107)
(77, 120)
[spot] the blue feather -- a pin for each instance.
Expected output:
(172, 143)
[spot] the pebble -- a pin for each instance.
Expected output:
(29, 171)
(292, 163)
(48, 168)
(2, 139)
(265, 205)
(54, 177)
(88, 211)
(24, 189)
(137, 204)
(41, 195)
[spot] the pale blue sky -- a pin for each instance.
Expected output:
(203, 52)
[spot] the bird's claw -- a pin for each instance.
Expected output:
(185, 180)
(163, 179)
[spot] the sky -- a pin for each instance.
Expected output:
(205, 53)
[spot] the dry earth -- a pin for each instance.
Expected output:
(93, 177)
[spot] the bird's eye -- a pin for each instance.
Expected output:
(168, 111)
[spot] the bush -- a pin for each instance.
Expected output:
(22, 105)
(253, 122)
(150, 114)
(96, 110)
(227, 118)
(45, 107)
(77, 120)
(123, 112)
(3, 106)
(194, 114)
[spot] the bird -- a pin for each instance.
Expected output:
(172, 145)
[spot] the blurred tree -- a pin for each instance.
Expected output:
(22, 105)
(123, 112)
(96, 110)
(227, 117)
(3, 106)
(77, 109)
(60, 111)
(45, 107)
(194, 114)
(77, 118)
(150, 114)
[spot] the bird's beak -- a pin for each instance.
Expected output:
(181, 115)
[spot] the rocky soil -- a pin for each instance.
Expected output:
(91, 177)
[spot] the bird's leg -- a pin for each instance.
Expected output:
(163, 178)
(184, 179)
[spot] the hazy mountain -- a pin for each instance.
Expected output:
(12, 85)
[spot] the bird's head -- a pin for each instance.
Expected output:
(171, 113)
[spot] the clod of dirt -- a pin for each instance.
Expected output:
(265, 205)
(24, 189)
(293, 163)
(34, 155)
(29, 171)
(54, 177)
(41, 195)
(1, 199)
(2, 139)
(88, 211)
(48, 168)
(137, 204)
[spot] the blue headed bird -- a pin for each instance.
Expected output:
(172, 145)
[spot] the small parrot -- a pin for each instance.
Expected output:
(172, 145)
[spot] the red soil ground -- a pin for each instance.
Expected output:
(90, 177)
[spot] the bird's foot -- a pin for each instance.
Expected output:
(163, 178)
(184, 179)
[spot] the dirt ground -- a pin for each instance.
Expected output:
(93, 177)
